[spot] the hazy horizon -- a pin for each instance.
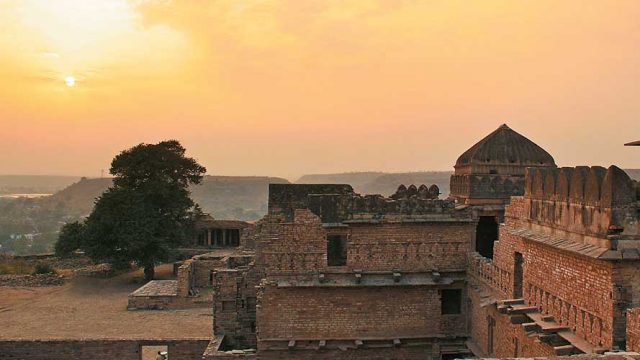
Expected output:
(287, 87)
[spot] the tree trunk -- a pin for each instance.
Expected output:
(149, 272)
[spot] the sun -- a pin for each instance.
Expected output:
(70, 81)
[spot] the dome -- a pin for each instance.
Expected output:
(504, 152)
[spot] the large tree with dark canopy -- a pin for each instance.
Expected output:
(148, 210)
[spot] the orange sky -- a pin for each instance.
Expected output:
(287, 87)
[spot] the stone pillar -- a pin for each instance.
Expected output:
(208, 237)
(225, 240)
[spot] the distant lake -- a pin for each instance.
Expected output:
(16, 196)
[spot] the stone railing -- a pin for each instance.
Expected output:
(585, 324)
(486, 272)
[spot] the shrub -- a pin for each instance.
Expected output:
(43, 269)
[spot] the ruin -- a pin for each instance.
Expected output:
(523, 259)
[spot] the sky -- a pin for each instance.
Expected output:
(292, 87)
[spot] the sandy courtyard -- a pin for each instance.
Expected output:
(94, 308)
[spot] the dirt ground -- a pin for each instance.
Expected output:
(94, 308)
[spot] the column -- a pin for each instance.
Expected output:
(208, 237)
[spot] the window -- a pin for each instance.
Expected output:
(486, 234)
(517, 276)
(451, 301)
(336, 250)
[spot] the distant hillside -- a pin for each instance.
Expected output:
(356, 179)
(633, 173)
(34, 184)
(387, 183)
(225, 197)
(235, 197)
(380, 182)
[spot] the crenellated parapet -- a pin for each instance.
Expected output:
(334, 206)
(593, 201)
(487, 186)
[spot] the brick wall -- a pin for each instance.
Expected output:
(575, 289)
(301, 246)
(347, 313)
(97, 349)
(202, 271)
(185, 278)
(409, 247)
(424, 352)
(293, 247)
(633, 329)
(234, 306)
(509, 340)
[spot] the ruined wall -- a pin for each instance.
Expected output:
(234, 305)
(285, 198)
(292, 247)
(185, 278)
(203, 268)
(121, 349)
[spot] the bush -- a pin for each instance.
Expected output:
(43, 269)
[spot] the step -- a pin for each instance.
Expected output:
(522, 309)
(531, 327)
(564, 350)
(512, 302)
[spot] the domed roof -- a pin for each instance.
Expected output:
(505, 147)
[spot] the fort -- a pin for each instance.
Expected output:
(522, 259)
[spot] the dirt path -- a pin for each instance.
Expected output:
(94, 308)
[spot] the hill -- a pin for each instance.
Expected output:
(225, 197)
(633, 173)
(34, 184)
(380, 182)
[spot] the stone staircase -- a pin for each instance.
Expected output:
(545, 328)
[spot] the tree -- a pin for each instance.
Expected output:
(70, 238)
(148, 210)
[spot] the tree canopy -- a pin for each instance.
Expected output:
(148, 210)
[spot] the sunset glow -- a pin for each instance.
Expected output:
(287, 87)
(70, 81)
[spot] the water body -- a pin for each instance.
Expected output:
(29, 196)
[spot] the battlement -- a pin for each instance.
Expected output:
(487, 186)
(592, 201)
(590, 186)
(339, 203)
